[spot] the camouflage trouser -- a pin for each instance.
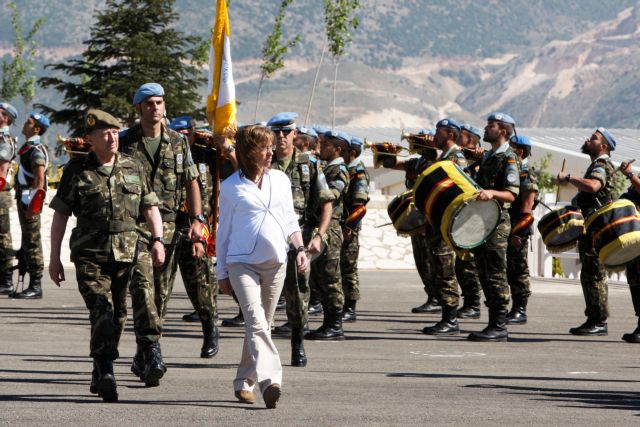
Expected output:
(593, 278)
(349, 267)
(199, 278)
(326, 271)
(518, 272)
(421, 258)
(296, 292)
(491, 259)
(6, 245)
(103, 287)
(31, 242)
(164, 277)
(441, 260)
(467, 275)
(633, 278)
(146, 321)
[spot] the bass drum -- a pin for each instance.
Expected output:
(561, 228)
(406, 219)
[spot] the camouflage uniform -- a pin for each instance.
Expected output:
(32, 154)
(106, 201)
(169, 170)
(498, 171)
(633, 268)
(7, 154)
(357, 195)
(593, 275)
(517, 257)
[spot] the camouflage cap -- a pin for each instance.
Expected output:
(98, 119)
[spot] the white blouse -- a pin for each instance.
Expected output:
(254, 223)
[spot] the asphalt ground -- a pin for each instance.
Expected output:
(385, 373)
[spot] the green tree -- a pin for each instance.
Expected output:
(132, 42)
(340, 19)
(273, 51)
(17, 74)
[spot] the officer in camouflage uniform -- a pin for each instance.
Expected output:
(354, 210)
(106, 191)
(34, 160)
(312, 202)
(166, 158)
(466, 270)
(441, 255)
(198, 274)
(8, 116)
(498, 176)
(326, 269)
(521, 214)
(594, 191)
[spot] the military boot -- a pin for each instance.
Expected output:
(107, 388)
(470, 308)
(282, 303)
(431, 306)
(518, 313)
(154, 367)
(236, 322)
(137, 366)
(93, 388)
(633, 337)
(447, 326)
(349, 311)
(34, 291)
(315, 308)
(211, 337)
(298, 355)
(191, 317)
(331, 329)
(6, 282)
(592, 327)
(496, 331)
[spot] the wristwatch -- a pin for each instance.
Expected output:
(567, 178)
(200, 218)
(630, 175)
(158, 239)
(301, 249)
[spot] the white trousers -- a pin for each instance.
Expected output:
(257, 288)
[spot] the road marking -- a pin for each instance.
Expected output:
(583, 373)
(449, 355)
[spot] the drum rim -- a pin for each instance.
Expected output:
(483, 241)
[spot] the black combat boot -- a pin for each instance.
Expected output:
(6, 282)
(592, 327)
(154, 367)
(236, 322)
(211, 337)
(447, 326)
(470, 308)
(496, 331)
(518, 313)
(315, 308)
(633, 337)
(95, 378)
(282, 303)
(34, 291)
(298, 355)
(283, 330)
(137, 366)
(349, 311)
(331, 329)
(107, 388)
(431, 306)
(191, 317)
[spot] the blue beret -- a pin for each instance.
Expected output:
(501, 117)
(147, 90)
(520, 140)
(338, 135)
(356, 141)
(258, 124)
(320, 130)
(10, 109)
(181, 123)
(448, 123)
(608, 137)
(40, 119)
(282, 120)
(307, 131)
(472, 129)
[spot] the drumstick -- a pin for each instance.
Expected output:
(558, 192)
(384, 225)
(545, 205)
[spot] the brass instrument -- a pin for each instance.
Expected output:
(417, 141)
(74, 146)
(204, 138)
(382, 150)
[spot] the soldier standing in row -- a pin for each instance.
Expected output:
(355, 208)
(498, 176)
(8, 116)
(31, 181)
(166, 158)
(106, 191)
(594, 191)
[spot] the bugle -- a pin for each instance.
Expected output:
(204, 138)
(417, 141)
(74, 146)
(385, 150)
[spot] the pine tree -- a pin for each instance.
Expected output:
(132, 42)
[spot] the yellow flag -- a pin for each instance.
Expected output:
(221, 98)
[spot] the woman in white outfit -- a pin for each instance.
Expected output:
(257, 224)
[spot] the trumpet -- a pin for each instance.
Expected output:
(74, 146)
(204, 138)
(385, 150)
(417, 141)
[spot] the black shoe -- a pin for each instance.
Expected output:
(468, 312)
(237, 322)
(315, 309)
(349, 311)
(496, 331)
(447, 326)
(211, 335)
(106, 387)
(6, 282)
(633, 337)
(591, 328)
(34, 291)
(517, 316)
(93, 388)
(154, 367)
(330, 331)
(283, 330)
(431, 306)
(298, 355)
(191, 317)
(137, 366)
(282, 303)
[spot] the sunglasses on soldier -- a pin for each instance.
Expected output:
(285, 131)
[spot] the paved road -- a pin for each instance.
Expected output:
(386, 373)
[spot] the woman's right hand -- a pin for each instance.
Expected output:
(225, 286)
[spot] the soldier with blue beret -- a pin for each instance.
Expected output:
(595, 189)
(8, 116)
(181, 123)
(305, 140)
(147, 90)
